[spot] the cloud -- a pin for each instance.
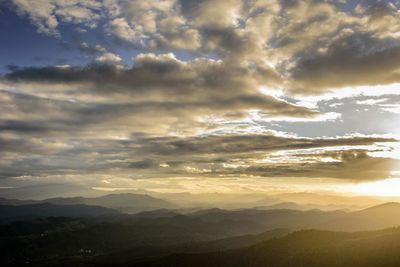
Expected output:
(110, 58)
(315, 45)
(209, 13)
(46, 15)
(181, 108)
(207, 156)
(139, 126)
(151, 24)
(180, 92)
(353, 60)
(173, 76)
(273, 156)
(231, 144)
(120, 28)
(84, 47)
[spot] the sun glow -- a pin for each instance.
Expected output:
(388, 150)
(384, 188)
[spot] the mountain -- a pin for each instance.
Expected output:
(41, 191)
(128, 202)
(15, 202)
(245, 221)
(309, 248)
(62, 239)
(130, 239)
(373, 218)
(255, 220)
(211, 211)
(284, 205)
(154, 214)
(327, 201)
(236, 241)
(24, 212)
(137, 254)
(133, 202)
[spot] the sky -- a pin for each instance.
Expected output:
(201, 96)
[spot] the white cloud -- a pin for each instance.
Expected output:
(109, 58)
(46, 15)
(121, 29)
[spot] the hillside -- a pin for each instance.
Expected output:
(122, 238)
(43, 210)
(310, 248)
(128, 202)
(254, 220)
(130, 256)
(63, 238)
(373, 218)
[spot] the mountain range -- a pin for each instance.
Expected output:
(44, 210)
(128, 202)
(60, 231)
(242, 221)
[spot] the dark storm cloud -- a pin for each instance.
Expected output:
(353, 166)
(246, 144)
(358, 59)
(200, 156)
(200, 84)
(22, 126)
(144, 164)
(38, 116)
(244, 155)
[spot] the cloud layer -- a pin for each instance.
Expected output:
(314, 45)
(207, 89)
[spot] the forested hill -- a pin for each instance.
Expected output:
(308, 248)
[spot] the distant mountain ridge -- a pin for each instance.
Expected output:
(373, 218)
(27, 212)
(282, 215)
(127, 202)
